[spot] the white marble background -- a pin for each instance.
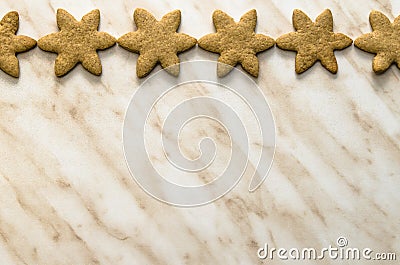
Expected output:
(66, 196)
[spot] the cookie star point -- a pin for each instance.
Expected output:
(77, 42)
(249, 20)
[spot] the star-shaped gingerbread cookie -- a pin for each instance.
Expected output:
(314, 41)
(384, 41)
(77, 42)
(10, 44)
(156, 41)
(236, 42)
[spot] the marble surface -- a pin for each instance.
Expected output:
(66, 195)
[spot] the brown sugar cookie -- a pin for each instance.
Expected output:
(314, 41)
(156, 41)
(384, 41)
(236, 42)
(10, 44)
(77, 42)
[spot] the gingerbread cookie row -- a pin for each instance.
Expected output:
(236, 42)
